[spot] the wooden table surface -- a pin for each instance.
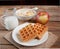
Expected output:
(54, 24)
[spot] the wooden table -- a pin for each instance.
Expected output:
(54, 24)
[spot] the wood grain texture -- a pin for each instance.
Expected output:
(53, 24)
(2, 39)
(8, 47)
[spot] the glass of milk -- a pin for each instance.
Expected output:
(9, 20)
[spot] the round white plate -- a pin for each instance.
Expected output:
(33, 42)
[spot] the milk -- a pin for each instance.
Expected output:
(10, 22)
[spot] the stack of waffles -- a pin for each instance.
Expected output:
(30, 32)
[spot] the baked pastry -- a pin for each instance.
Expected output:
(27, 33)
(30, 32)
(41, 29)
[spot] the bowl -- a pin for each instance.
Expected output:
(25, 13)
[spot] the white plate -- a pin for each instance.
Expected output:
(33, 42)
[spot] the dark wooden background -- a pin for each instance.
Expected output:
(29, 2)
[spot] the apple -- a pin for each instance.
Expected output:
(42, 17)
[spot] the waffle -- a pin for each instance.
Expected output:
(41, 30)
(27, 33)
(30, 32)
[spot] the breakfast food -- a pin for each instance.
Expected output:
(26, 12)
(10, 22)
(30, 32)
(42, 17)
(27, 33)
(29, 13)
(41, 30)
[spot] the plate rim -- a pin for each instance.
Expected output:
(25, 44)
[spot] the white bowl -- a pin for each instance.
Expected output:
(23, 16)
